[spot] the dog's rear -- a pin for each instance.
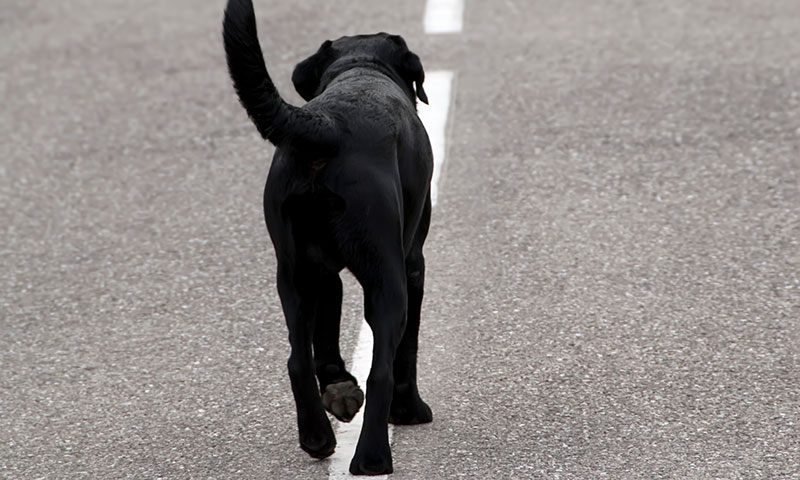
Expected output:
(348, 188)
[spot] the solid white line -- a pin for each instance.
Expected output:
(438, 86)
(444, 16)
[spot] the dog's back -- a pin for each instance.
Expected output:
(357, 138)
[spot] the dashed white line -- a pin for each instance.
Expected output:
(444, 16)
(441, 16)
(438, 85)
(347, 433)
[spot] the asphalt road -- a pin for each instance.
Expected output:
(613, 267)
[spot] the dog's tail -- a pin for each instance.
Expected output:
(276, 120)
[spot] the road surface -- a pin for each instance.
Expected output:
(613, 268)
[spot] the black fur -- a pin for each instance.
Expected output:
(275, 119)
(349, 187)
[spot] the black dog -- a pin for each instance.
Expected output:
(349, 187)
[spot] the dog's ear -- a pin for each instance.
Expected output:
(411, 70)
(308, 73)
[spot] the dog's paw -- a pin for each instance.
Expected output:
(318, 445)
(316, 433)
(343, 399)
(409, 409)
(371, 465)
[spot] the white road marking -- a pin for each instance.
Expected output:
(347, 433)
(438, 86)
(444, 16)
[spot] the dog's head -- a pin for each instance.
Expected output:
(390, 51)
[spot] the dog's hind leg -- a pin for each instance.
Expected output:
(407, 406)
(382, 277)
(298, 290)
(341, 395)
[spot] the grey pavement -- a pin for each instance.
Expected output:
(613, 268)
